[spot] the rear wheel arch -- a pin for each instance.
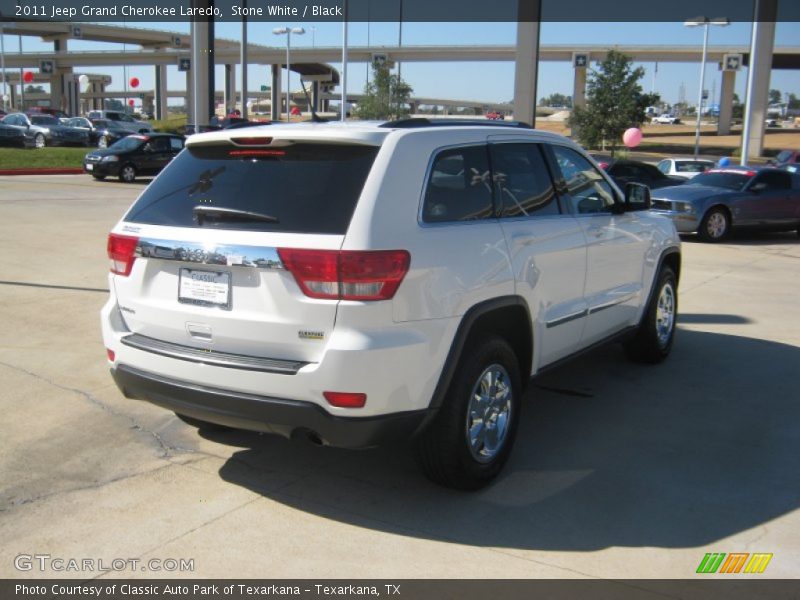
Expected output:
(507, 317)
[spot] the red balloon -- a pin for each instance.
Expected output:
(134, 81)
(131, 102)
(27, 76)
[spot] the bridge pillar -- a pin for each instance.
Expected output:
(526, 67)
(64, 93)
(161, 92)
(578, 95)
(726, 103)
(275, 93)
(230, 89)
(758, 76)
(202, 100)
(315, 95)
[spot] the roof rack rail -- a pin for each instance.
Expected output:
(415, 122)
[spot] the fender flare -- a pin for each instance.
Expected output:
(465, 327)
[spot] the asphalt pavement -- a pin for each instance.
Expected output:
(620, 470)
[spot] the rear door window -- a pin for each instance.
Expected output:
(522, 180)
(305, 187)
(459, 186)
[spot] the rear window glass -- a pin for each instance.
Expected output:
(692, 166)
(304, 187)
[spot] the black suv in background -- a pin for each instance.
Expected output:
(133, 155)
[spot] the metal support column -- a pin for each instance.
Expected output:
(527, 61)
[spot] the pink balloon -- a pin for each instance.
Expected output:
(134, 82)
(131, 102)
(27, 76)
(632, 137)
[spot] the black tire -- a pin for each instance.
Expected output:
(444, 450)
(99, 177)
(653, 340)
(127, 173)
(202, 425)
(716, 225)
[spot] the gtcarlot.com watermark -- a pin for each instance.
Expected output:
(46, 563)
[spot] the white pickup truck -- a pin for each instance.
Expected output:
(666, 120)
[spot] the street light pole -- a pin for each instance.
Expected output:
(3, 67)
(288, 32)
(705, 23)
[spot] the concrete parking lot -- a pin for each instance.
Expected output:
(620, 470)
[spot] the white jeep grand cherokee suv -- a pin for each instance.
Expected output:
(364, 282)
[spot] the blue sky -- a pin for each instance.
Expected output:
(489, 81)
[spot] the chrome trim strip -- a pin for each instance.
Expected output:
(256, 257)
(623, 299)
(212, 357)
(567, 319)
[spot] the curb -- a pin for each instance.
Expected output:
(43, 171)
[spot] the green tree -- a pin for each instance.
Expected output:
(645, 100)
(386, 96)
(34, 89)
(613, 96)
(775, 96)
(556, 100)
(794, 102)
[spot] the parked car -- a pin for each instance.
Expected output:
(685, 168)
(44, 130)
(666, 120)
(133, 155)
(102, 133)
(634, 171)
(720, 200)
(786, 157)
(123, 119)
(11, 136)
(287, 279)
(46, 110)
(494, 115)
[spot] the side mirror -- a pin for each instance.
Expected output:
(637, 197)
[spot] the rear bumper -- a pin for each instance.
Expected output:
(290, 418)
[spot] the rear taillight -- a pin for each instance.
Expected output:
(110, 355)
(347, 274)
(122, 253)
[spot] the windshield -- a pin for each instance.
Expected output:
(306, 187)
(730, 180)
(127, 143)
(43, 120)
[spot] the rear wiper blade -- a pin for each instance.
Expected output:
(230, 214)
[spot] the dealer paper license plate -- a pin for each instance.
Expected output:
(210, 288)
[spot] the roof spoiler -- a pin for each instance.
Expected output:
(421, 122)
